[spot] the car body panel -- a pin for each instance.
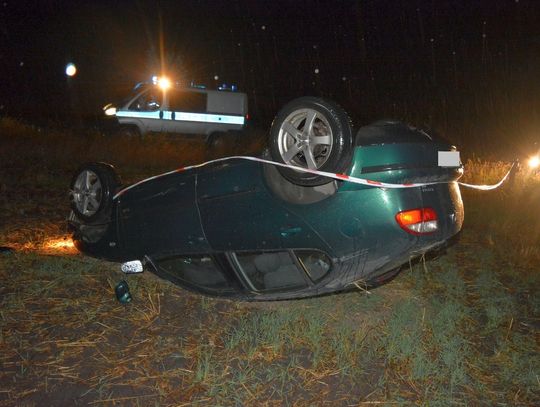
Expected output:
(162, 217)
(240, 213)
(215, 215)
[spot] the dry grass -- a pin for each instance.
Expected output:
(459, 329)
(29, 152)
(511, 212)
(479, 171)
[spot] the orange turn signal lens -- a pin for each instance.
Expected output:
(420, 221)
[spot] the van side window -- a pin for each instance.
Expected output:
(191, 102)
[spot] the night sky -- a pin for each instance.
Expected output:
(437, 61)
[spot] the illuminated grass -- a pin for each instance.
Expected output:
(460, 330)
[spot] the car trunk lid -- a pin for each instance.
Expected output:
(392, 152)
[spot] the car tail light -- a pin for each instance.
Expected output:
(421, 221)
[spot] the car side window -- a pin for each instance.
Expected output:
(191, 102)
(317, 264)
(200, 271)
(271, 270)
(147, 102)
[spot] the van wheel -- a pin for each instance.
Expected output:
(215, 139)
(129, 131)
(222, 139)
(311, 133)
(91, 191)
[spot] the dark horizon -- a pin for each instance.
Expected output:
(435, 64)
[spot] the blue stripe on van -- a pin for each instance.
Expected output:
(184, 116)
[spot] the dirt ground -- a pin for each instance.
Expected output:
(459, 329)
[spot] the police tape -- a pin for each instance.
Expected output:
(339, 177)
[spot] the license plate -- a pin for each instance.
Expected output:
(132, 267)
(449, 159)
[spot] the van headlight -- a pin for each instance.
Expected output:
(109, 110)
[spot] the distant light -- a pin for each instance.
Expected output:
(154, 80)
(71, 69)
(110, 111)
(343, 78)
(316, 70)
(21, 63)
(263, 27)
(164, 83)
(216, 77)
(534, 162)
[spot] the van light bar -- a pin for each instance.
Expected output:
(420, 221)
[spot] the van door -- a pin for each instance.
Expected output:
(186, 112)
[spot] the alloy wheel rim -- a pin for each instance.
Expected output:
(87, 193)
(305, 139)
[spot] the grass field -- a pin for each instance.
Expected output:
(460, 329)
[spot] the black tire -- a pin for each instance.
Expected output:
(326, 145)
(129, 131)
(91, 191)
(235, 137)
(294, 193)
(215, 140)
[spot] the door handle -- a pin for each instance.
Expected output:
(291, 231)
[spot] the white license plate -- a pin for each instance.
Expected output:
(449, 159)
(132, 267)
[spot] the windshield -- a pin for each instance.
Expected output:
(137, 89)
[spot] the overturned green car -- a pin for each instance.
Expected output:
(256, 231)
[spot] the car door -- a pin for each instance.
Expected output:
(161, 216)
(238, 212)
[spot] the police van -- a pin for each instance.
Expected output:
(157, 107)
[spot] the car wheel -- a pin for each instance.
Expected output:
(294, 193)
(311, 133)
(215, 140)
(91, 191)
(129, 131)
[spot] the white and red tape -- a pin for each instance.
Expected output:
(340, 177)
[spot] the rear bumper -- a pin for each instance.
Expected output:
(394, 246)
